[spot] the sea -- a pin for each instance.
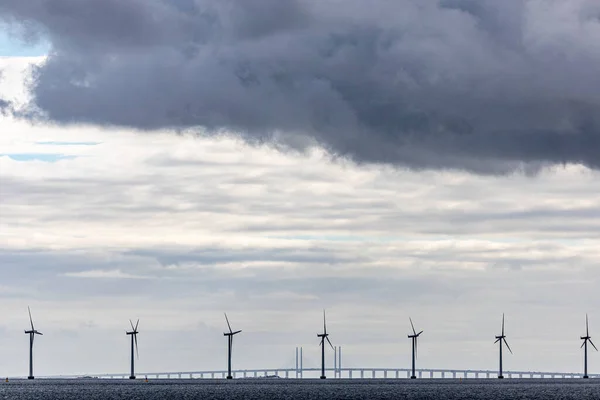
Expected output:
(291, 389)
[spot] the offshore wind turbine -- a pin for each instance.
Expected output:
(133, 333)
(324, 336)
(414, 337)
(586, 339)
(229, 335)
(500, 339)
(31, 334)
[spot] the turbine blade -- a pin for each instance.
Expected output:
(416, 348)
(592, 343)
(136, 346)
(419, 333)
(131, 323)
(507, 346)
(329, 341)
(30, 319)
(502, 324)
(136, 325)
(227, 319)
(324, 323)
(497, 340)
(413, 327)
(583, 344)
(587, 328)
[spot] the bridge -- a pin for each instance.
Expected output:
(335, 372)
(338, 373)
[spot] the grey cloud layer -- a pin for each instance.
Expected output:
(176, 230)
(482, 85)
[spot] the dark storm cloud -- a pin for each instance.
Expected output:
(477, 84)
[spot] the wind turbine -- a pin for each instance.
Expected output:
(229, 335)
(31, 334)
(414, 338)
(133, 333)
(586, 339)
(324, 336)
(500, 339)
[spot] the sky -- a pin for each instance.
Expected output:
(434, 160)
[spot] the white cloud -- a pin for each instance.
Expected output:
(103, 274)
(273, 238)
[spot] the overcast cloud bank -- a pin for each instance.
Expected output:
(486, 85)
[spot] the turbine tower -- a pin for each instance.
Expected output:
(500, 339)
(414, 337)
(229, 335)
(323, 337)
(133, 333)
(586, 339)
(31, 334)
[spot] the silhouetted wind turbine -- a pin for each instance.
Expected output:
(323, 337)
(414, 338)
(31, 334)
(500, 339)
(229, 335)
(133, 333)
(586, 339)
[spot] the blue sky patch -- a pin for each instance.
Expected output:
(45, 157)
(13, 47)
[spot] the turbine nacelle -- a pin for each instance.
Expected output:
(323, 338)
(134, 329)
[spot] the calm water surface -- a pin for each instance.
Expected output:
(429, 389)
